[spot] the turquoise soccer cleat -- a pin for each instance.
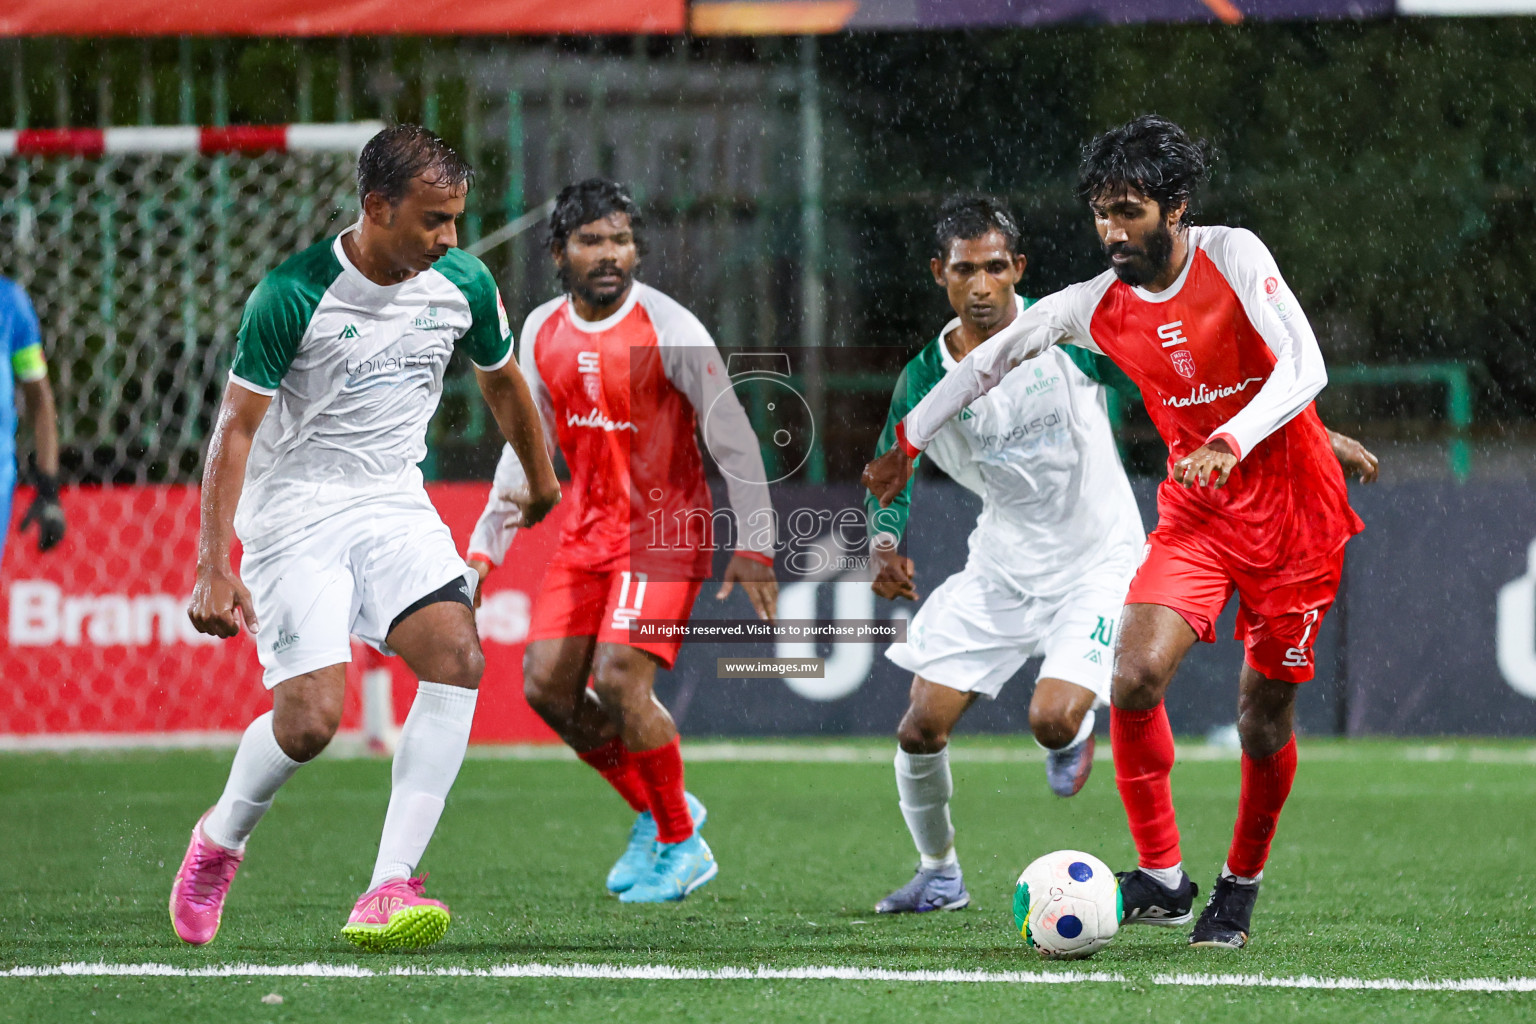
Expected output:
(639, 857)
(680, 868)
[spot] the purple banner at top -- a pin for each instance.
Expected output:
(791, 17)
(888, 14)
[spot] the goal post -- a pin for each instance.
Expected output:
(139, 246)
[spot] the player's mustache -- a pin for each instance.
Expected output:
(1123, 249)
(604, 270)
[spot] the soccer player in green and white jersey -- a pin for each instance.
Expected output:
(1050, 559)
(338, 368)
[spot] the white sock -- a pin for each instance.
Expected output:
(1083, 731)
(427, 760)
(260, 768)
(1226, 872)
(925, 786)
(1171, 877)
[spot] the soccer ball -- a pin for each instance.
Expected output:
(1067, 905)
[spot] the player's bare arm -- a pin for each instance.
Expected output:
(759, 582)
(506, 392)
(220, 602)
(1356, 459)
(893, 573)
(887, 475)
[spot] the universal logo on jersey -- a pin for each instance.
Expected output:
(379, 365)
(1172, 335)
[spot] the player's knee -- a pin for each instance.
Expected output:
(1054, 726)
(542, 695)
(462, 664)
(615, 682)
(1263, 727)
(919, 735)
(1139, 683)
(304, 733)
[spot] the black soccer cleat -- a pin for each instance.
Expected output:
(1227, 915)
(1145, 900)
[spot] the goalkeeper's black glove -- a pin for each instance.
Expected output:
(46, 512)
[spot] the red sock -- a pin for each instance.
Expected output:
(615, 763)
(1266, 784)
(661, 771)
(1142, 742)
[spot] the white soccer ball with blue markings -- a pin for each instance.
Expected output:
(1067, 905)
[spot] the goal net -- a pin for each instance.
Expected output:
(138, 246)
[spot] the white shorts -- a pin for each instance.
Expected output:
(973, 633)
(348, 575)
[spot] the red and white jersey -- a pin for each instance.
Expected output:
(1225, 352)
(624, 398)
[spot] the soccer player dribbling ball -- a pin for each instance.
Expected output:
(1255, 501)
(624, 377)
(338, 368)
(1049, 561)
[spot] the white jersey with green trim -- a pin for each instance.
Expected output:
(1040, 451)
(355, 370)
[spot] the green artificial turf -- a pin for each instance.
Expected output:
(1392, 861)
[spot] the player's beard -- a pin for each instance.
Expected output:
(595, 294)
(1151, 258)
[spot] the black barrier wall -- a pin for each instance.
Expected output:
(1420, 643)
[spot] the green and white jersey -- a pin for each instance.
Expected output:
(1040, 452)
(355, 371)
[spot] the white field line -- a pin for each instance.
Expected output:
(610, 972)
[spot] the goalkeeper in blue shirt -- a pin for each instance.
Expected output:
(21, 363)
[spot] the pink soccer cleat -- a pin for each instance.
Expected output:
(396, 916)
(197, 896)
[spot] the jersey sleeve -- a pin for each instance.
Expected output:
(25, 344)
(498, 523)
(693, 364)
(889, 524)
(275, 319)
(489, 338)
(1102, 370)
(1061, 316)
(1299, 373)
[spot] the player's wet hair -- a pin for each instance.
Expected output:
(1150, 154)
(392, 159)
(971, 215)
(587, 201)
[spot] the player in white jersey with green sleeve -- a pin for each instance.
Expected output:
(1053, 551)
(338, 369)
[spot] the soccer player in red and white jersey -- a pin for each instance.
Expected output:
(625, 377)
(1254, 503)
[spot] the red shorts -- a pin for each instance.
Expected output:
(577, 602)
(1278, 616)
